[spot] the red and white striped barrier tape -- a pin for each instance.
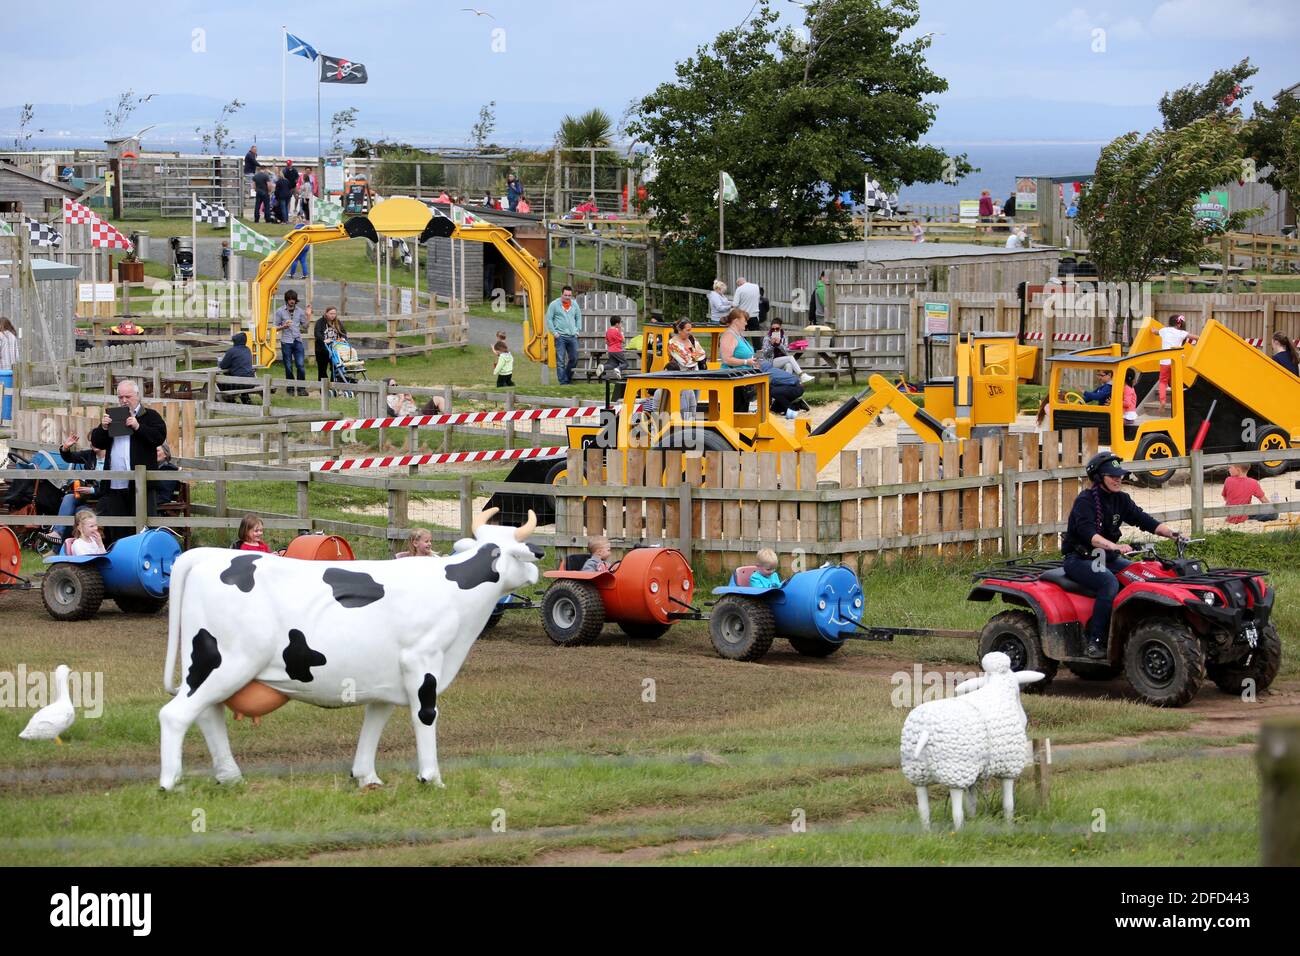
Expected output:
(1258, 343)
(447, 458)
(455, 418)
(1060, 337)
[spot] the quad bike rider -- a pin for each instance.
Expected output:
(1090, 545)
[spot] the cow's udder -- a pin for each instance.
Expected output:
(256, 699)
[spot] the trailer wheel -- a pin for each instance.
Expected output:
(741, 628)
(572, 613)
(72, 592)
(1015, 634)
(643, 630)
(1164, 662)
(139, 605)
(1262, 667)
(1151, 448)
(1273, 439)
(814, 646)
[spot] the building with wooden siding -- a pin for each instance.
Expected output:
(484, 267)
(22, 192)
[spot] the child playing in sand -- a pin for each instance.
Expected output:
(1240, 489)
(766, 576)
(251, 530)
(598, 545)
(86, 537)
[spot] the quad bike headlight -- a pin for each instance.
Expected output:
(1209, 597)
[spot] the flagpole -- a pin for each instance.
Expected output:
(721, 215)
(284, 46)
(194, 234)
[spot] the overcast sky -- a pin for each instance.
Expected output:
(431, 65)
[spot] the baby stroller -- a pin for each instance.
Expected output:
(346, 363)
(36, 497)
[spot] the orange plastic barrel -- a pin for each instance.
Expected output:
(11, 557)
(649, 584)
(319, 547)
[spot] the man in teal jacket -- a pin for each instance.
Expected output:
(564, 322)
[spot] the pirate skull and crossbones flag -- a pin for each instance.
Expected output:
(334, 69)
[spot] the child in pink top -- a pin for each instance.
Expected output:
(1240, 489)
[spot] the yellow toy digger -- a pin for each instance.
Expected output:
(1225, 395)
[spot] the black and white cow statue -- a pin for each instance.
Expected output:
(379, 633)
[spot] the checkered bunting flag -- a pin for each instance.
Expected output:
(328, 212)
(212, 213)
(76, 213)
(104, 236)
(244, 239)
(43, 234)
(400, 247)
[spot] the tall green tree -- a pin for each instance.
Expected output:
(1138, 208)
(1264, 137)
(795, 119)
(594, 129)
(1218, 96)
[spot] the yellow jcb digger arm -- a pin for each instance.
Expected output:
(269, 274)
(844, 424)
(536, 342)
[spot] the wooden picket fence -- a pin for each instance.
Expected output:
(995, 496)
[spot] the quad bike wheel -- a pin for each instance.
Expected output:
(1164, 662)
(1261, 667)
(72, 592)
(741, 628)
(1015, 634)
(814, 646)
(572, 613)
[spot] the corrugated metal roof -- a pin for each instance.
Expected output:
(882, 251)
(47, 270)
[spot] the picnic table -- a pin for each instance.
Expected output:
(833, 361)
(1218, 268)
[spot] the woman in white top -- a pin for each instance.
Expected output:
(8, 344)
(719, 304)
(1172, 336)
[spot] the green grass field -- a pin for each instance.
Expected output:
(566, 750)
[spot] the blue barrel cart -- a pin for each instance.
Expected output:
(135, 573)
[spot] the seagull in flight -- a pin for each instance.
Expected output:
(477, 13)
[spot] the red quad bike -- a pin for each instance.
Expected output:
(1174, 622)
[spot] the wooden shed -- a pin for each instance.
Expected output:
(949, 266)
(484, 267)
(23, 192)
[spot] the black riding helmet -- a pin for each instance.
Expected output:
(1102, 464)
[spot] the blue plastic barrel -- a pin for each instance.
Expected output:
(141, 565)
(823, 603)
(7, 407)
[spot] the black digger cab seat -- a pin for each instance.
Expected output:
(1058, 577)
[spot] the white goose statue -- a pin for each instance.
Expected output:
(52, 720)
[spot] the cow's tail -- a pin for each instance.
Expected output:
(175, 590)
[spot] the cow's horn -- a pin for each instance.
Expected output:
(483, 517)
(527, 528)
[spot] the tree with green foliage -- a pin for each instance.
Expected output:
(1217, 97)
(219, 138)
(340, 123)
(481, 131)
(1138, 208)
(594, 129)
(25, 117)
(794, 121)
(1286, 174)
(1264, 136)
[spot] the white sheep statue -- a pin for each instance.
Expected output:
(958, 741)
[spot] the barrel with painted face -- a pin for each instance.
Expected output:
(140, 565)
(823, 603)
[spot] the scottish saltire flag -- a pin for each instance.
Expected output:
(244, 239)
(213, 213)
(328, 212)
(300, 47)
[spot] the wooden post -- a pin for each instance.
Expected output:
(1010, 511)
(304, 516)
(1278, 756)
(1196, 478)
(510, 426)
(467, 506)
(219, 492)
(1043, 770)
(684, 520)
(141, 498)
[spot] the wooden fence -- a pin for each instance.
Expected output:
(996, 499)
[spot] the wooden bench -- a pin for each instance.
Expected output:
(180, 508)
